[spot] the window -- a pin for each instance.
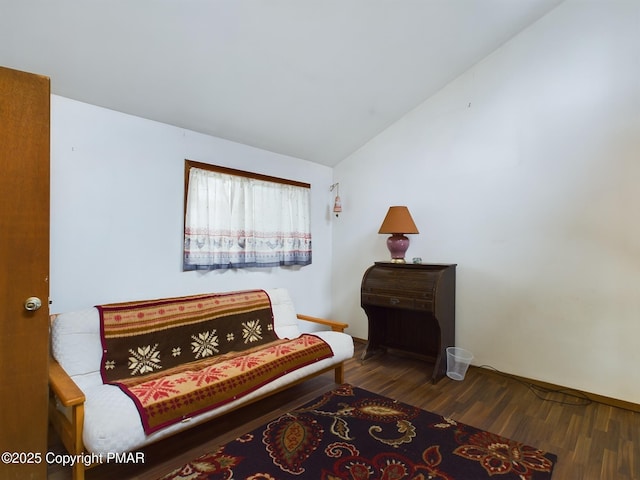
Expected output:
(236, 219)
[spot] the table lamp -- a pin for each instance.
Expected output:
(398, 222)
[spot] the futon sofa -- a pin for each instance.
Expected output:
(99, 386)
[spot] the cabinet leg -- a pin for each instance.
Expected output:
(439, 369)
(371, 351)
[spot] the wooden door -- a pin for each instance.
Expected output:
(24, 261)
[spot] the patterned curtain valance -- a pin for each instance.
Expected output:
(233, 221)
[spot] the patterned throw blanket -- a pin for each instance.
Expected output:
(179, 357)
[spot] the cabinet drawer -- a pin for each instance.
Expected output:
(387, 301)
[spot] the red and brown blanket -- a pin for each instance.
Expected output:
(179, 357)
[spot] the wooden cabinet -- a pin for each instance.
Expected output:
(411, 309)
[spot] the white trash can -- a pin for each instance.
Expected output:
(458, 360)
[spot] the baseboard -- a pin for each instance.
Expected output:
(594, 397)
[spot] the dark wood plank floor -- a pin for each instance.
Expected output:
(592, 442)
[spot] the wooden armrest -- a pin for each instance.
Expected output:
(63, 386)
(335, 326)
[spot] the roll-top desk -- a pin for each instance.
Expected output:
(411, 308)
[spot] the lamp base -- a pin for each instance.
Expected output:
(397, 245)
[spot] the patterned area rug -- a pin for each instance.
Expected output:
(353, 434)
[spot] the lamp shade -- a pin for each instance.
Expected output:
(398, 220)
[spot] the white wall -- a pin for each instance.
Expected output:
(524, 171)
(117, 192)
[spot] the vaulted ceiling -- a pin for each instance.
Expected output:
(314, 79)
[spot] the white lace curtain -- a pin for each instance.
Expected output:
(233, 221)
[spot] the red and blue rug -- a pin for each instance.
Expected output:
(352, 434)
